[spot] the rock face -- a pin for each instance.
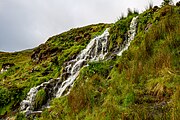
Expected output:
(6, 66)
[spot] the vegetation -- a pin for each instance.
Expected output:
(167, 2)
(143, 83)
(118, 31)
(40, 98)
(49, 58)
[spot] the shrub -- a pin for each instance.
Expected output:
(4, 96)
(167, 2)
(150, 6)
(40, 99)
(130, 12)
(129, 99)
(20, 116)
(178, 4)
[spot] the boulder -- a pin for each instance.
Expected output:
(6, 66)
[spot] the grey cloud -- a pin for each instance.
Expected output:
(27, 23)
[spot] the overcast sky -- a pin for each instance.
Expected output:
(25, 24)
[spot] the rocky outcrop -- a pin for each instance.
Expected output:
(43, 52)
(6, 66)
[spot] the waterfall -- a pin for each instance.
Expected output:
(96, 50)
(131, 36)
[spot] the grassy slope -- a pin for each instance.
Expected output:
(141, 84)
(16, 82)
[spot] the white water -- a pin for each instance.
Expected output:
(131, 36)
(95, 50)
(3, 70)
(28, 104)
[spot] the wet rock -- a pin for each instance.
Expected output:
(46, 72)
(73, 56)
(112, 56)
(111, 67)
(35, 69)
(65, 75)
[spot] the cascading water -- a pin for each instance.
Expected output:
(131, 36)
(95, 50)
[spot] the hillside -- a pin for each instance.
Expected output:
(128, 71)
(29, 71)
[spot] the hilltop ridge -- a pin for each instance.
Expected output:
(141, 83)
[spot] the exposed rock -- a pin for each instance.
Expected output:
(35, 56)
(77, 38)
(35, 69)
(46, 72)
(6, 66)
(87, 35)
(65, 75)
(32, 114)
(43, 52)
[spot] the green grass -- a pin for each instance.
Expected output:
(40, 98)
(26, 73)
(143, 83)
